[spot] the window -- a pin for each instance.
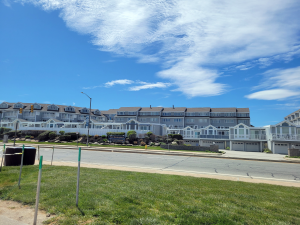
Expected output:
(178, 114)
(84, 110)
(167, 114)
(69, 109)
(154, 119)
(215, 121)
(229, 121)
(18, 105)
(143, 119)
(166, 120)
(37, 106)
(190, 120)
(177, 120)
(3, 105)
(52, 108)
(203, 120)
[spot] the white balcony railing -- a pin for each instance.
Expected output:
(288, 137)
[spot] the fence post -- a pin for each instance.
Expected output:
(52, 155)
(38, 191)
(78, 175)
(3, 153)
(21, 167)
(39, 153)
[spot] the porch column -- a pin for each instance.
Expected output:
(230, 145)
(135, 126)
(261, 147)
(273, 147)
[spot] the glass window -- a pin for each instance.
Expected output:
(241, 131)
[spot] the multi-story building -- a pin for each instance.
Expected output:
(226, 127)
(294, 117)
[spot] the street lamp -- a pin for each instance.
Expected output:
(87, 140)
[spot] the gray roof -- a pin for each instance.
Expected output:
(202, 109)
(223, 109)
(61, 108)
(129, 109)
(152, 109)
(175, 109)
(239, 110)
(111, 111)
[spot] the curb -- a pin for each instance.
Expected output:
(158, 152)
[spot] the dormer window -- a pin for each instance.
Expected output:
(3, 105)
(69, 109)
(18, 105)
(52, 107)
(37, 106)
(84, 110)
(97, 112)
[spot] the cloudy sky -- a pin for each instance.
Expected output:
(160, 53)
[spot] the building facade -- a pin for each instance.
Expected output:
(226, 127)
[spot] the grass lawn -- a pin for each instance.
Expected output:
(118, 197)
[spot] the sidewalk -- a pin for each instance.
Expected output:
(239, 155)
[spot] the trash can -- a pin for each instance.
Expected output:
(12, 159)
(5, 138)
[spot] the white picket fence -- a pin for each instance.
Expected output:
(140, 133)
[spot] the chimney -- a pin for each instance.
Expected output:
(173, 107)
(150, 107)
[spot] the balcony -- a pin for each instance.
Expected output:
(286, 137)
(248, 137)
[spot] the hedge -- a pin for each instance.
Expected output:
(4, 130)
(131, 132)
(65, 137)
(115, 133)
(176, 136)
(73, 135)
(44, 136)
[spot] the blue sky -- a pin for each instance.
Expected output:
(159, 53)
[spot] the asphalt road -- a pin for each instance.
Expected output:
(229, 167)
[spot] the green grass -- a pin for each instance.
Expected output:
(118, 197)
(292, 156)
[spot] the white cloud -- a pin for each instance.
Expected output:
(273, 94)
(6, 3)
(146, 85)
(92, 87)
(73, 103)
(281, 84)
(114, 82)
(187, 36)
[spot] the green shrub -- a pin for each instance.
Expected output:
(52, 135)
(103, 136)
(176, 136)
(227, 148)
(104, 140)
(149, 133)
(61, 132)
(131, 132)
(266, 150)
(44, 136)
(73, 135)
(83, 135)
(115, 133)
(65, 137)
(27, 136)
(4, 130)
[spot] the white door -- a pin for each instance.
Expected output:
(281, 148)
(252, 147)
(238, 146)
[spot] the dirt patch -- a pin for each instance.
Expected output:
(11, 212)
